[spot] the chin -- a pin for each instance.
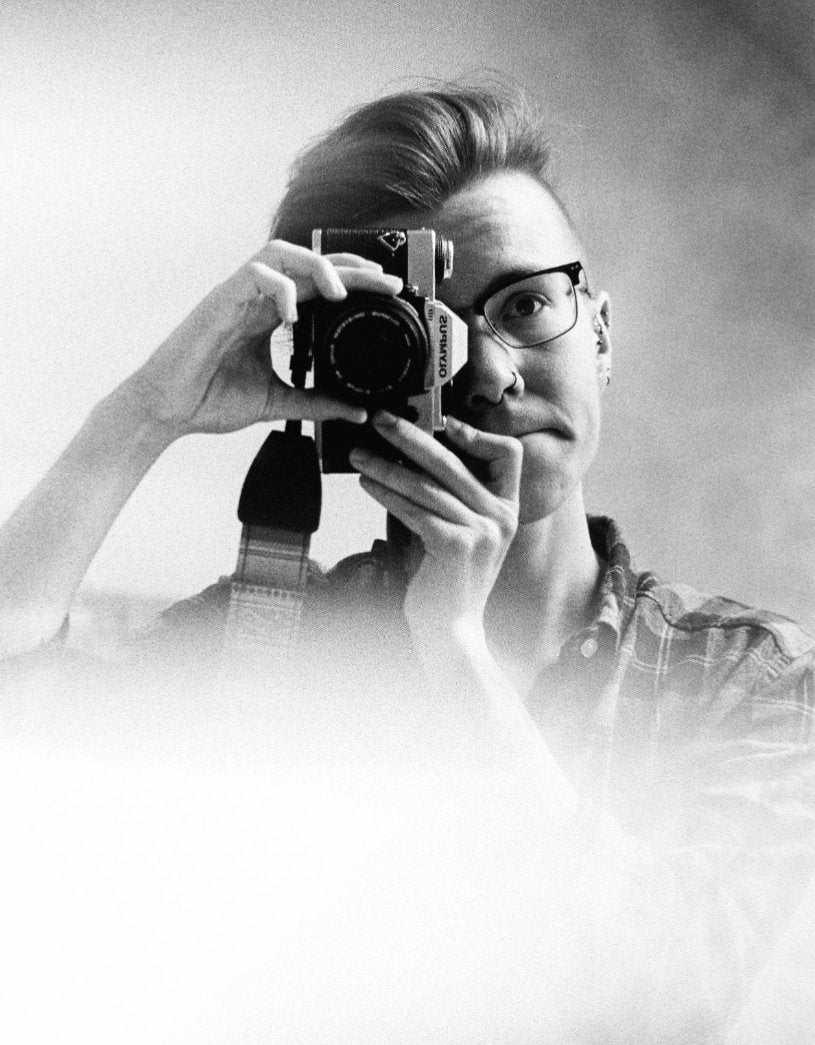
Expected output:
(545, 488)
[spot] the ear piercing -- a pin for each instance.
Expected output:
(599, 329)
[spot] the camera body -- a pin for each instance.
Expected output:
(380, 351)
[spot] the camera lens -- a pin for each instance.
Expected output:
(377, 346)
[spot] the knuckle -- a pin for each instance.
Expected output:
(514, 447)
(491, 532)
(463, 542)
(323, 266)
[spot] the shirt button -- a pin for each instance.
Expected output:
(589, 648)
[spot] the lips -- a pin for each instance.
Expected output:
(555, 433)
(501, 421)
(531, 425)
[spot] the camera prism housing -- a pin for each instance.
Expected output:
(380, 351)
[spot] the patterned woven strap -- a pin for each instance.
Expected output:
(265, 604)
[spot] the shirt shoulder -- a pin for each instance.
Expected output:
(680, 608)
(717, 664)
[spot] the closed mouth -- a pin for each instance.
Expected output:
(550, 430)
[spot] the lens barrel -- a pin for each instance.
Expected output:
(374, 345)
(444, 258)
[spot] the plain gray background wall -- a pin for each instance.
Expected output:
(145, 146)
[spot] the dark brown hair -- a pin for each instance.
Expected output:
(410, 152)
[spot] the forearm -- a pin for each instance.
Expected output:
(48, 543)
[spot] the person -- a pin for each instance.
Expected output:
(664, 735)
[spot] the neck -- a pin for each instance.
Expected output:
(546, 590)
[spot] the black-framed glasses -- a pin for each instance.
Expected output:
(535, 309)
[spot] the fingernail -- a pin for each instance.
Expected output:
(359, 456)
(453, 422)
(385, 419)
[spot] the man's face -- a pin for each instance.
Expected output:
(508, 224)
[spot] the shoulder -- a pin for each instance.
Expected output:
(193, 627)
(668, 622)
(685, 612)
(701, 656)
(733, 660)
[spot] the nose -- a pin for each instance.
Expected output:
(490, 374)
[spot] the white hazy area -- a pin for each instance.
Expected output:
(175, 874)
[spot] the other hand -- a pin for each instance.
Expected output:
(214, 372)
(465, 525)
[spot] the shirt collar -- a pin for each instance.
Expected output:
(619, 584)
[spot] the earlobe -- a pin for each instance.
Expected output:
(604, 308)
(602, 318)
(602, 321)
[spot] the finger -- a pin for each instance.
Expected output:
(331, 281)
(435, 459)
(328, 280)
(353, 261)
(369, 279)
(280, 288)
(287, 403)
(434, 532)
(503, 454)
(416, 487)
(300, 262)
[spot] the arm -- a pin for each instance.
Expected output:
(48, 543)
(212, 374)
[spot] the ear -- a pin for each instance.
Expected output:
(602, 324)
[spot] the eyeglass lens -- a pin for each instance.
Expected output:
(533, 310)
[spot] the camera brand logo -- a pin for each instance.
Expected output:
(392, 241)
(442, 345)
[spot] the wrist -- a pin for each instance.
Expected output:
(460, 636)
(118, 435)
(123, 410)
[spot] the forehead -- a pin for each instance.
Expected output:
(503, 223)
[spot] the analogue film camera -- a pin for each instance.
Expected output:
(396, 353)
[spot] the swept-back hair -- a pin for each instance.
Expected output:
(410, 152)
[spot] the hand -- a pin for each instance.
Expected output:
(466, 526)
(214, 372)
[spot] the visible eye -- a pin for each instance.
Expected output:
(524, 306)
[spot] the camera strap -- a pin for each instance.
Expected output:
(280, 508)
